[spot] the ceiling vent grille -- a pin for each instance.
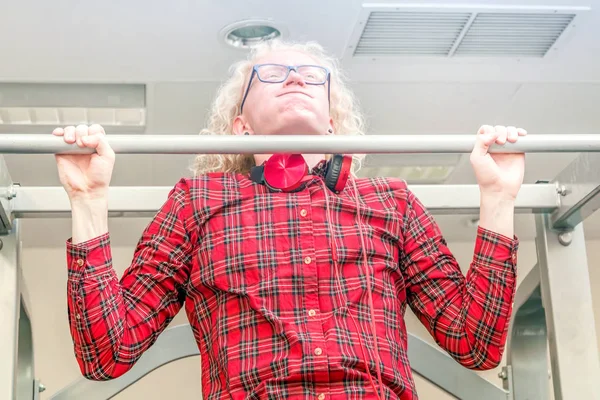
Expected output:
(523, 35)
(453, 30)
(411, 33)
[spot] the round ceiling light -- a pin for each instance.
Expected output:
(249, 33)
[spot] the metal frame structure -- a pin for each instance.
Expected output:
(552, 312)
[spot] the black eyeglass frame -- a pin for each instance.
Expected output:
(289, 69)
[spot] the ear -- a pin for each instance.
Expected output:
(241, 126)
(331, 126)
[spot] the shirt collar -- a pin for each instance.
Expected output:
(320, 169)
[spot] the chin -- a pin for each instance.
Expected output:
(300, 122)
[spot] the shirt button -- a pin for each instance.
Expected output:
(312, 313)
(318, 351)
(321, 396)
(78, 316)
(303, 212)
(80, 262)
(307, 260)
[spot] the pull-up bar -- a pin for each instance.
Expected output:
(253, 144)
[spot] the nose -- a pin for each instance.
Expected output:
(294, 77)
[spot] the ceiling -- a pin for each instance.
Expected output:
(174, 48)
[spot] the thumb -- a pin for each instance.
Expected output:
(486, 136)
(100, 144)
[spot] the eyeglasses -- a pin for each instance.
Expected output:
(277, 73)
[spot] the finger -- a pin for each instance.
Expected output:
(486, 135)
(485, 129)
(80, 131)
(96, 129)
(100, 144)
(521, 132)
(58, 132)
(70, 134)
(501, 138)
(511, 134)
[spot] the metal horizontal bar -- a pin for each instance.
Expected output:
(39, 202)
(266, 144)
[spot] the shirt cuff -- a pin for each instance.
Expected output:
(90, 258)
(496, 251)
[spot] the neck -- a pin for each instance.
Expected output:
(311, 159)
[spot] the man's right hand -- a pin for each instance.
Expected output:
(85, 176)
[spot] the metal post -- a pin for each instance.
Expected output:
(579, 185)
(26, 382)
(527, 363)
(25, 366)
(268, 144)
(10, 301)
(567, 300)
(6, 195)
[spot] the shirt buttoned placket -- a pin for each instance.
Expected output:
(316, 347)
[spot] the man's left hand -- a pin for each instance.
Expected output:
(498, 174)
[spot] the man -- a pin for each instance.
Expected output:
(293, 288)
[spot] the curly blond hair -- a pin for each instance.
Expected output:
(344, 108)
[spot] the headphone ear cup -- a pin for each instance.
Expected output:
(257, 174)
(338, 172)
(285, 172)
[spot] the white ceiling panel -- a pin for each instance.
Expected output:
(174, 49)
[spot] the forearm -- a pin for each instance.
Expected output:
(97, 330)
(113, 321)
(468, 316)
(89, 218)
(497, 214)
(99, 320)
(473, 321)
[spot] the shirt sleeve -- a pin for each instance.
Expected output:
(468, 316)
(114, 321)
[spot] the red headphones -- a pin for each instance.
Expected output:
(287, 172)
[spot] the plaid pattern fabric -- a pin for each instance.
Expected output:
(274, 317)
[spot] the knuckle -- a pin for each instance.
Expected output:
(82, 129)
(96, 128)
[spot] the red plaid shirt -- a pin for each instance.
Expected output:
(274, 317)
